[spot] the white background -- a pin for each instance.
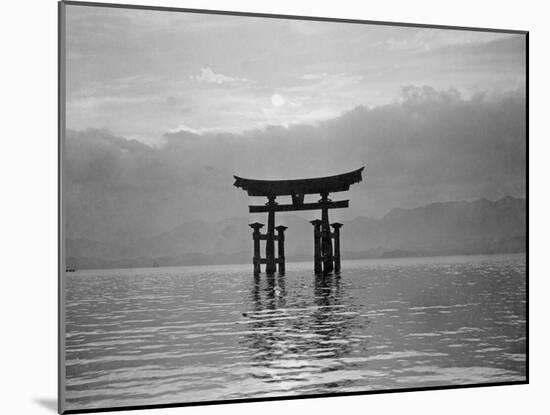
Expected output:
(28, 234)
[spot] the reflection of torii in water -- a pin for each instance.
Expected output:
(292, 323)
(326, 260)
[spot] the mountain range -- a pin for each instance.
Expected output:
(446, 228)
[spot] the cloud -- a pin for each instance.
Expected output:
(430, 39)
(139, 73)
(314, 76)
(332, 81)
(427, 146)
(210, 77)
(194, 131)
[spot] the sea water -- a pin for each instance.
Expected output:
(189, 334)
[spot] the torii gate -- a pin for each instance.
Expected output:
(325, 258)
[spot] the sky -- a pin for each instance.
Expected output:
(163, 108)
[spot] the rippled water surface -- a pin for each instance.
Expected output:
(187, 334)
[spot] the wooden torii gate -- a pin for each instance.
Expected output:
(325, 258)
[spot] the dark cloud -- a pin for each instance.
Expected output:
(428, 146)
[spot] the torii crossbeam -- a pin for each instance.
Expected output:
(325, 259)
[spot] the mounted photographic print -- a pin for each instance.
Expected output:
(256, 207)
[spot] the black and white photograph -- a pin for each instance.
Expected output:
(256, 207)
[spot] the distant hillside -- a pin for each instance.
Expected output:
(481, 226)
(477, 227)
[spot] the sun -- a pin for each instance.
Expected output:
(277, 100)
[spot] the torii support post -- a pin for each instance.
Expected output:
(326, 241)
(281, 247)
(336, 226)
(256, 226)
(317, 266)
(270, 267)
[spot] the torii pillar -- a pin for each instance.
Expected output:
(326, 241)
(317, 265)
(270, 266)
(336, 234)
(256, 259)
(281, 247)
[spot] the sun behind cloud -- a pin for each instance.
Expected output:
(277, 100)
